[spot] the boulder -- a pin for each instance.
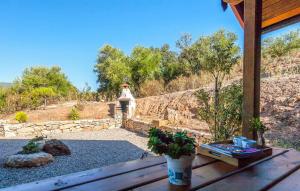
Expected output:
(56, 148)
(28, 160)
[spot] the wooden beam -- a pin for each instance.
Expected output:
(287, 22)
(238, 12)
(251, 67)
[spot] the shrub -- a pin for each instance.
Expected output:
(152, 88)
(185, 83)
(74, 114)
(257, 125)
(79, 105)
(31, 147)
(21, 117)
(224, 117)
(174, 145)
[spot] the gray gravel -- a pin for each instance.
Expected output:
(89, 150)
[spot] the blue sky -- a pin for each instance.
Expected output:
(69, 33)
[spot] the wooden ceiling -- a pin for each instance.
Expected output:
(274, 12)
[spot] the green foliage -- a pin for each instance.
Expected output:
(30, 147)
(37, 77)
(74, 114)
(112, 69)
(43, 93)
(217, 53)
(175, 145)
(282, 45)
(21, 117)
(257, 125)
(37, 138)
(214, 54)
(170, 66)
(144, 65)
(225, 119)
(36, 87)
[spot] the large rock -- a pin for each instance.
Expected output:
(28, 160)
(56, 148)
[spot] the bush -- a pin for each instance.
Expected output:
(31, 147)
(74, 114)
(185, 83)
(152, 88)
(174, 145)
(225, 117)
(21, 117)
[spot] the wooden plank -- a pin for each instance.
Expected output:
(60, 182)
(251, 68)
(205, 175)
(289, 183)
(279, 8)
(260, 176)
(199, 176)
(267, 3)
(136, 178)
(281, 17)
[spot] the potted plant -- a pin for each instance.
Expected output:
(260, 128)
(179, 151)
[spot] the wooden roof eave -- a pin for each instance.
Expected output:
(276, 14)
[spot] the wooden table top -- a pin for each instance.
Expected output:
(279, 172)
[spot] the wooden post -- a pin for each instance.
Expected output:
(251, 68)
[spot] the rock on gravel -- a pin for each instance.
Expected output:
(56, 148)
(89, 150)
(28, 160)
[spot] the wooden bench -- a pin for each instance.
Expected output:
(279, 172)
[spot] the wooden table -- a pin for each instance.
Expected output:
(279, 172)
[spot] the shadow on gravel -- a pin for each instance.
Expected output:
(86, 154)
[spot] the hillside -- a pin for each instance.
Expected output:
(280, 109)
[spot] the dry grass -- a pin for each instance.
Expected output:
(58, 112)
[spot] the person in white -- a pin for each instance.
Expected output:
(127, 96)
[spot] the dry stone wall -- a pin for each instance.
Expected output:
(54, 127)
(142, 127)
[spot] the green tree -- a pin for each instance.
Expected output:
(37, 77)
(144, 65)
(170, 66)
(217, 54)
(112, 69)
(282, 45)
(43, 93)
(189, 62)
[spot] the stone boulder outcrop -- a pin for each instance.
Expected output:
(28, 160)
(56, 148)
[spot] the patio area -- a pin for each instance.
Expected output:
(276, 173)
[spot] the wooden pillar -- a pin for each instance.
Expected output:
(251, 67)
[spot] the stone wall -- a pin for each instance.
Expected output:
(54, 127)
(142, 127)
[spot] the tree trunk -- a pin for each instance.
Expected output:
(216, 105)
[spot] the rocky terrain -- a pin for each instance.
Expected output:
(280, 109)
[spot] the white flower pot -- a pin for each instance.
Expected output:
(180, 170)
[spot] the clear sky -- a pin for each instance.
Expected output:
(69, 33)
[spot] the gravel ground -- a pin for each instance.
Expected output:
(89, 150)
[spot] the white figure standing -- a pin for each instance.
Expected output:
(127, 96)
